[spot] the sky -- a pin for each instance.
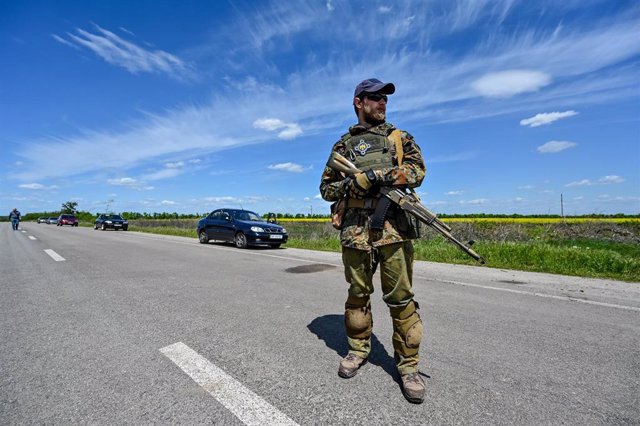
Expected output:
(173, 106)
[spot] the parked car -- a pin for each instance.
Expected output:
(52, 221)
(43, 219)
(241, 227)
(67, 219)
(111, 221)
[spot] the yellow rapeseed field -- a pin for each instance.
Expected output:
(532, 220)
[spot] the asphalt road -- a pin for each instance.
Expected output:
(143, 329)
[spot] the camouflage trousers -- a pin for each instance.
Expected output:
(396, 271)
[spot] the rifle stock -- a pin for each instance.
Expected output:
(407, 202)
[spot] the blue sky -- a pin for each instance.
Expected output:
(190, 106)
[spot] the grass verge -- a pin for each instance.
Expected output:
(556, 251)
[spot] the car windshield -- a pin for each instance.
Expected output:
(246, 215)
(113, 217)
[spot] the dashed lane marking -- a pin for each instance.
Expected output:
(55, 256)
(242, 402)
(31, 237)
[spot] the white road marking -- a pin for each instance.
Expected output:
(242, 402)
(55, 256)
(527, 293)
(31, 237)
(23, 231)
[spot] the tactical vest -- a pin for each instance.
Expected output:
(370, 151)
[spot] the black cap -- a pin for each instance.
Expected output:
(373, 85)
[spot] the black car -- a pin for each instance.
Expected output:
(111, 221)
(241, 227)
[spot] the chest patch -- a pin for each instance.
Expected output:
(362, 147)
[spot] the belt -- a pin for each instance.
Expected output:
(365, 203)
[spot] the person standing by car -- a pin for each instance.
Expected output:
(388, 157)
(14, 217)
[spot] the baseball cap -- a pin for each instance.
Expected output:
(373, 85)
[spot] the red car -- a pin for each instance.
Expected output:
(67, 219)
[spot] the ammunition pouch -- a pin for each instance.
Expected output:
(364, 203)
(409, 225)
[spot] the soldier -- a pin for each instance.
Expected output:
(372, 145)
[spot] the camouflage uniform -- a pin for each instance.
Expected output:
(363, 249)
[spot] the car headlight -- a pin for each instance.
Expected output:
(257, 229)
(284, 231)
(125, 223)
(108, 221)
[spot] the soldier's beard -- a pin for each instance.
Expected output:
(374, 116)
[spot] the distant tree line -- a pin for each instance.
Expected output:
(84, 216)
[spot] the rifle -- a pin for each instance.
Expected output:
(407, 202)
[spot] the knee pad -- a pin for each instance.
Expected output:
(357, 317)
(407, 329)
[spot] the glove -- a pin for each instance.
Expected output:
(359, 185)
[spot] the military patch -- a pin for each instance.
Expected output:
(362, 147)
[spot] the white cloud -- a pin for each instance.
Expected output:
(63, 41)
(330, 6)
(125, 54)
(583, 182)
(167, 202)
(505, 84)
(130, 183)
(384, 9)
(546, 118)
(287, 167)
(604, 180)
(125, 181)
(526, 187)
(37, 186)
(552, 147)
(477, 201)
(290, 130)
(176, 165)
(454, 193)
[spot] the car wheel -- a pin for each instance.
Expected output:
(125, 228)
(104, 227)
(75, 225)
(95, 226)
(240, 240)
(203, 237)
(275, 245)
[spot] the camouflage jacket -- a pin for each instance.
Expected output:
(356, 232)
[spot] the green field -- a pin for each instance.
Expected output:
(599, 249)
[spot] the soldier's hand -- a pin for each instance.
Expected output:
(365, 180)
(353, 190)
